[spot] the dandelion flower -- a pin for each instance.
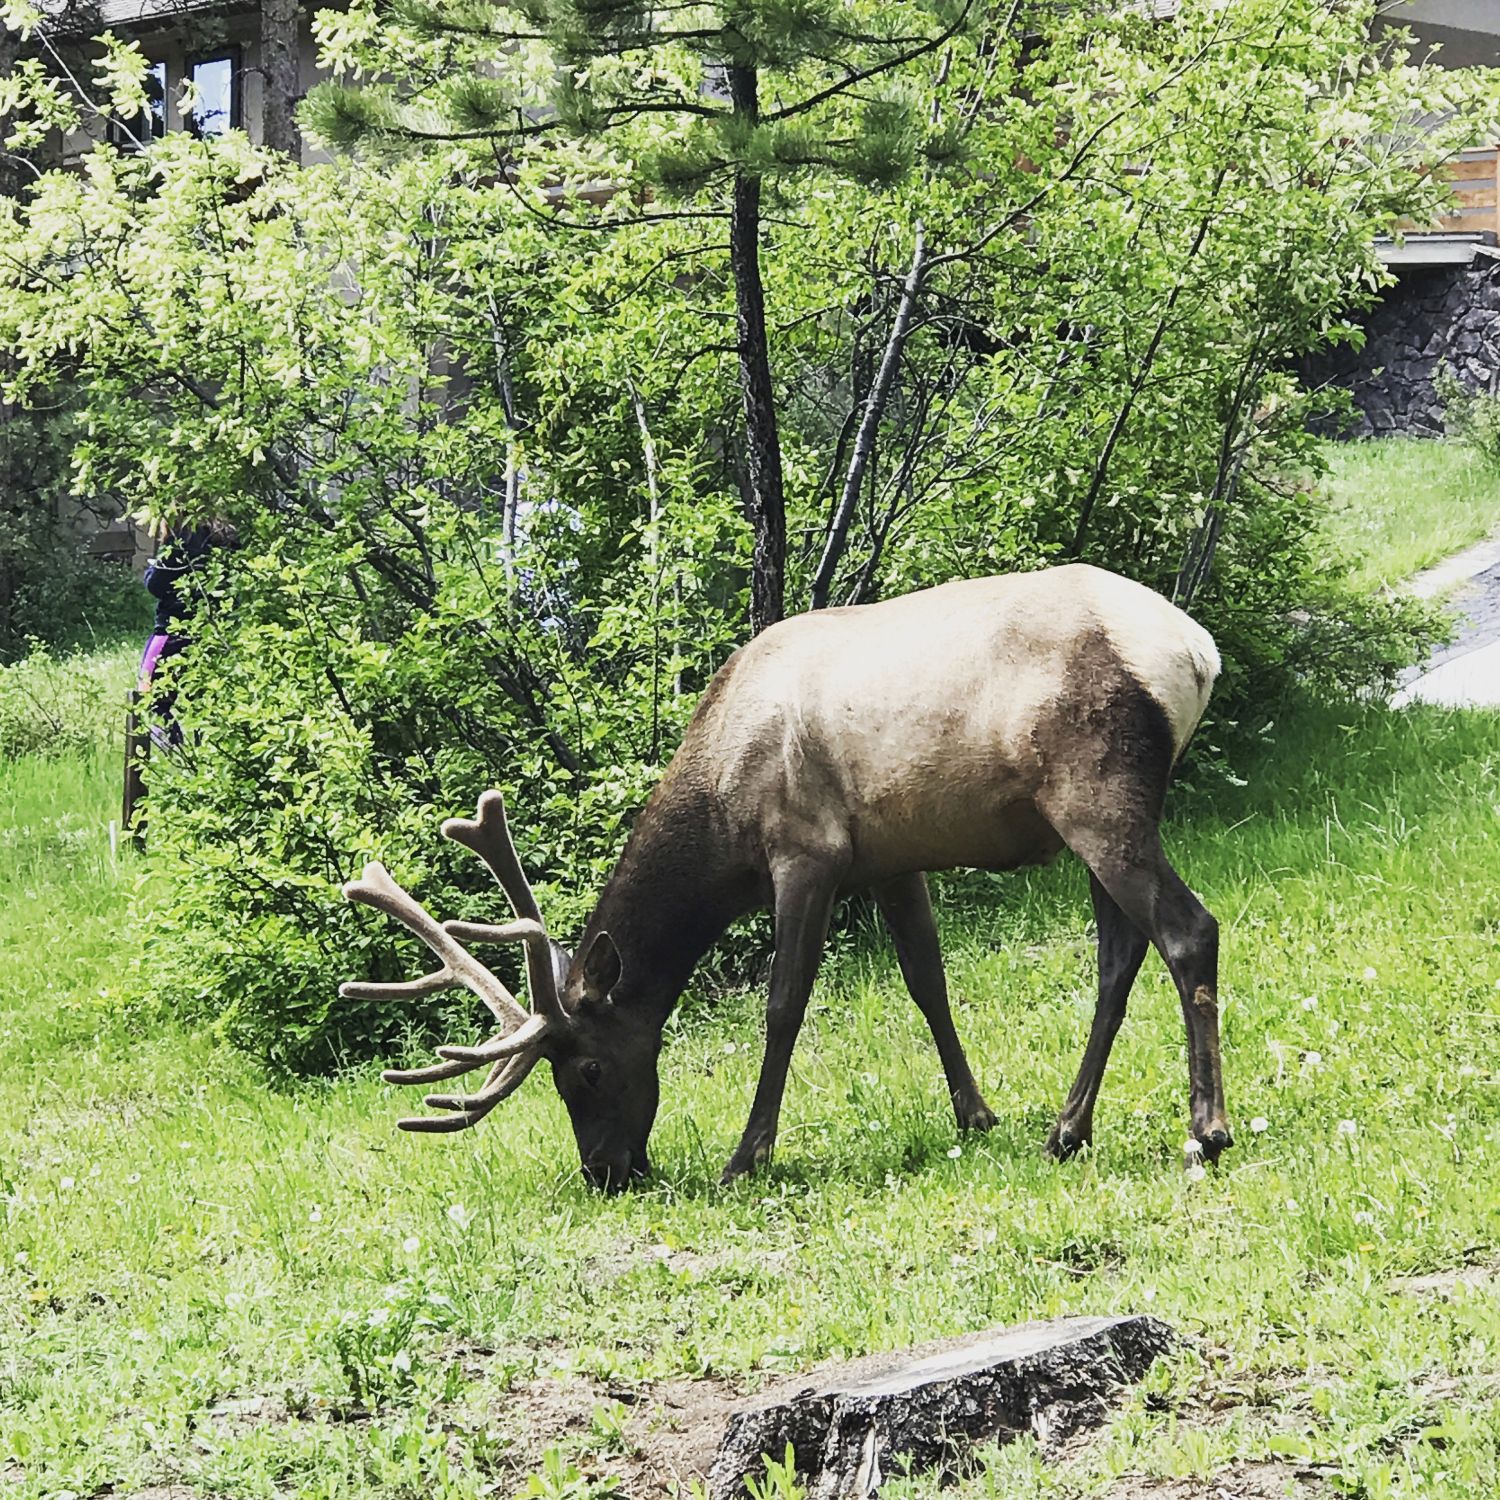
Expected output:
(1348, 1127)
(954, 1152)
(1197, 1172)
(1259, 1125)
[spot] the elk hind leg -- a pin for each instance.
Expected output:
(1117, 836)
(1122, 947)
(1153, 895)
(907, 909)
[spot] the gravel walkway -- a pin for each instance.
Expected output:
(1465, 673)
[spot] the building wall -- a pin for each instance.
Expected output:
(179, 39)
(1435, 317)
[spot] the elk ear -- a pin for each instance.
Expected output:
(601, 970)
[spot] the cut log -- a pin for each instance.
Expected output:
(924, 1408)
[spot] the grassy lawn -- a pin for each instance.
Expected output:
(250, 1293)
(1403, 505)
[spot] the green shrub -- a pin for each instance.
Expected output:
(1472, 416)
(57, 705)
(51, 588)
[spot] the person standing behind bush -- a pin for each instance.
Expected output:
(174, 579)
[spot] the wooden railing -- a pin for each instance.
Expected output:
(1475, 176)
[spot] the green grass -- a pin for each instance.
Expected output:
(175, 1238)
(1402, 505)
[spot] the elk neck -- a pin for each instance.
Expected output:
(678, 884)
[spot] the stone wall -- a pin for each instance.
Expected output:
(1433, 316)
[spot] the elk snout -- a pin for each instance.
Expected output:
(613, 1172)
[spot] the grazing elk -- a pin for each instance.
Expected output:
(985, 723)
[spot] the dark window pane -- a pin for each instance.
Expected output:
(156, 97)
(213, 79)
(133, 132)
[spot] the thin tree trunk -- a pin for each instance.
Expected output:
(762, 442)
(280, 45)
(864, 444)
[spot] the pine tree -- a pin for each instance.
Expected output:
(280, 44)
(710, 102)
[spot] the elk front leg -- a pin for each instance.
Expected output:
(907, 909)
(1122, 947)
(804, 895)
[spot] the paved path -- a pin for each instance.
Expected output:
(1465, 673)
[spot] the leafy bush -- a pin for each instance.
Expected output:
(59, 705)
(1470, 415)
(51, 588)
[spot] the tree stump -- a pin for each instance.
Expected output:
(924, 1408)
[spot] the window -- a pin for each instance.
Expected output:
(151, 123)
(216, 91)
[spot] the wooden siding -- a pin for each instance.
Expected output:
(1475, 176)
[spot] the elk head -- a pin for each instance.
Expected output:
(604, 1066)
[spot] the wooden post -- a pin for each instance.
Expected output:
(137, 748)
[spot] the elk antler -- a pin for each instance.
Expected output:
(515, 1050)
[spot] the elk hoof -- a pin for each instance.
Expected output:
(1065, 1142)
(745, 1161)
(977, 1117)
(1214, 1142)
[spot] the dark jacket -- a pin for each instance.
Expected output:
(168, 576)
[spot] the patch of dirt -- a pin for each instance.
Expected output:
(235, 1415)
(1257, 1481)
(1446, 1283)
(667, 1440)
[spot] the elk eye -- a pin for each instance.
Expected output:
(591, 1073)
